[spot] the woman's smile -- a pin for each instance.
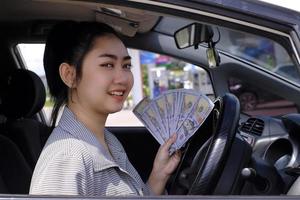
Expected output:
(118, 95)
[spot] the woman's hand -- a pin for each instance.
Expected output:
(163, 167)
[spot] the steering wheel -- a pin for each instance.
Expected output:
(201, 176)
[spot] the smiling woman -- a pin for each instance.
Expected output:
(90, 74)
(259, 51)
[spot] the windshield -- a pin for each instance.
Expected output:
(261, 51)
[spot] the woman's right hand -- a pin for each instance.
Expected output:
(163, 166)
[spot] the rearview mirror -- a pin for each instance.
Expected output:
(192, 35)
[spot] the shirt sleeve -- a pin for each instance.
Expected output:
(63, 175)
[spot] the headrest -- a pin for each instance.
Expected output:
(24, 94)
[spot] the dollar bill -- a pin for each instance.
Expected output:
(180, 111)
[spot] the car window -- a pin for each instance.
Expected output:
(256, 101)
(261, 51)
(153, 74)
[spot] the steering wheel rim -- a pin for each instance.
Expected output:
(201, 177)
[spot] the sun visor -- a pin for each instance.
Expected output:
(125, 26)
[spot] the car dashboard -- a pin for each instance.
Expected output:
(275, 151)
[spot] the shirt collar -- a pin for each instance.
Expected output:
(101, 158)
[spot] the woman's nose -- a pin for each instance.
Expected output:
(121, 76)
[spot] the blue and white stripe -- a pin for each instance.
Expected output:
(73, 162)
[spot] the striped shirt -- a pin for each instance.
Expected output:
(73, 162)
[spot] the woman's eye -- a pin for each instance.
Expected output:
(108, 65)
(127, 66)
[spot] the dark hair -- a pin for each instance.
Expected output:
(68, 42)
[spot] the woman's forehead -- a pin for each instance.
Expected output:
(110, 44)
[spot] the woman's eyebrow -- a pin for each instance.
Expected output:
(127, 58)
(114, 56)
(109, 55)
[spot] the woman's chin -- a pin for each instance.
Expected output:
(116, 109)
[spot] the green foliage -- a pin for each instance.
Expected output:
(146, 89)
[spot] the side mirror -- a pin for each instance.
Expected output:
(193, 35)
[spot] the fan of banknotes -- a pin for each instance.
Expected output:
(180, 111)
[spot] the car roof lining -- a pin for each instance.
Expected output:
(126, 20)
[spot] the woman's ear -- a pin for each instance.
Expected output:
(67, 74)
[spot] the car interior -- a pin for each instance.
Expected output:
(246, 146)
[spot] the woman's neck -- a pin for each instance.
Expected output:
(95, 122)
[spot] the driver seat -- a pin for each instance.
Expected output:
(15, 173)
(23, 98)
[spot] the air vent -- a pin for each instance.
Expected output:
(254, 126)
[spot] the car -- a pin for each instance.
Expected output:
(199, 45)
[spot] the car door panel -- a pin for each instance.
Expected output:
(140, 146)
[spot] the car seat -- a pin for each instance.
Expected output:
(15, 173)
(23, 97)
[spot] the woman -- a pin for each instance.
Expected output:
(89, 73)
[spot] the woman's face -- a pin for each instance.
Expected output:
(106, 76)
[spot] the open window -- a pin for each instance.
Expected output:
(153, 74)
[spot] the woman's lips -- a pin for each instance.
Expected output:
(117, 94)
